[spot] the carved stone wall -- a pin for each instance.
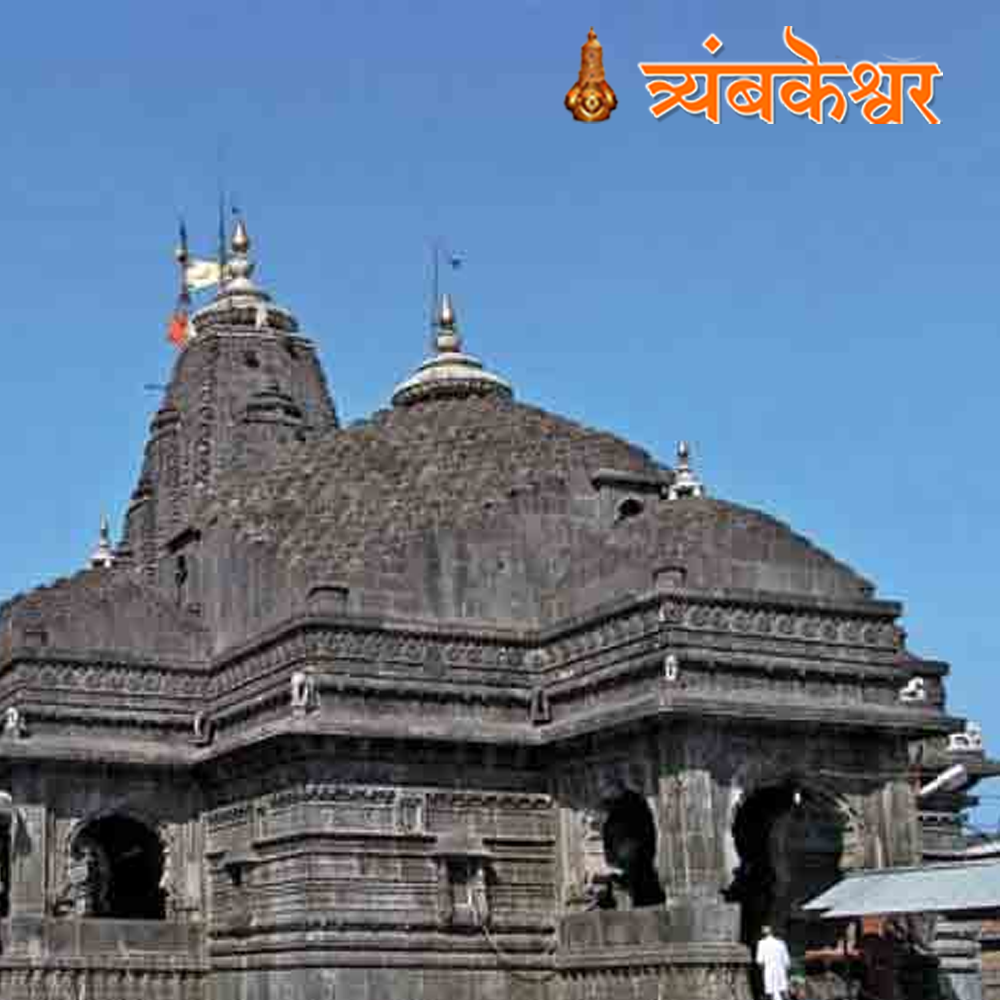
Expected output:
(342, 858)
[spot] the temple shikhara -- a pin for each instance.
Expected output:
(464, 700)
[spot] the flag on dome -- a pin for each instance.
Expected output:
(201, 273)
(179, 331)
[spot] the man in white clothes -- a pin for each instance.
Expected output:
(772, 955)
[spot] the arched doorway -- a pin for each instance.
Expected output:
(116, 866)
(790, 843)
(629, 835)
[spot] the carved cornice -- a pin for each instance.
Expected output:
(733, 645)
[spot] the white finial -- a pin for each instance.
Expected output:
(102, 556)
(686, 483)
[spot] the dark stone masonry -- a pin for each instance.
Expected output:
(463, 701)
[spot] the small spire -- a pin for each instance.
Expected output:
(446, 312)
(241, 239)
(239, 266)
(448, 372)
(686, 483)
(103, 557)
(446, 337)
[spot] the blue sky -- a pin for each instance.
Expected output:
(814, 307)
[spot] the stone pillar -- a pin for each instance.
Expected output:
(691, 856)
(29, 848)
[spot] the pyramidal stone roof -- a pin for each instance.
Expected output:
(473, 481)
(456, 502)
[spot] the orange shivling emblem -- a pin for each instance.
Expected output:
(591, 99)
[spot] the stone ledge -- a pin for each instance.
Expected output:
(87, 939)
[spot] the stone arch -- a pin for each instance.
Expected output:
(620, 838)
(115, 862)
(753, 777)
(630, 839)
(793, 836)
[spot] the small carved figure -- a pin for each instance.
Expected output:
(87, 881)
(597, 892)
(303, 686)
(540, 712)
(13, 722)
(167, 888)
(478, 895)
(204, 729)
(915, 689)
(671, 668)
(410, 814)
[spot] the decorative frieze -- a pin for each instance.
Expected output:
(110, 677)
(372, 646)
(511, 680)
(876, 632)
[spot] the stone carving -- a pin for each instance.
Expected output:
(203, 729)
(914, 690)
(13, 723)
(671, 668)
(305, 697)
(168, 885)
(969, 741)
(85, 891)
(410, 812)
(540, 712)
(463, 897)
(594, 887)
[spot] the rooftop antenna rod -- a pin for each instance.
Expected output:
(454, 262)
(435, 280)
(222, 239)
(222, 218)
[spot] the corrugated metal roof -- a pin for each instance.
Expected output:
(952, 888)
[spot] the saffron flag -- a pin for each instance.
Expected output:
(200, 273)
(179, 329)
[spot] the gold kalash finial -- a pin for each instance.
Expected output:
(591, 98)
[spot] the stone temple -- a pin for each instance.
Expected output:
(465, 700)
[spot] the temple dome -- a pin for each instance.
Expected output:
(448, 371)
(481, 507)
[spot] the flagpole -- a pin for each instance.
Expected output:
(222, 240)
(436, 289)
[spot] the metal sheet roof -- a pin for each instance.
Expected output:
(949, 888)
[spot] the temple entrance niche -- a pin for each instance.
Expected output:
(629, 839)
(790, 841)
(613, 842)
(115, 870)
